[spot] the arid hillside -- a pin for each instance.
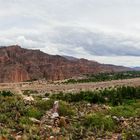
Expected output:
(18, 64)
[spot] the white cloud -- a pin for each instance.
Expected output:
(105, 30)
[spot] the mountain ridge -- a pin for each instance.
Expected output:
(19, 64)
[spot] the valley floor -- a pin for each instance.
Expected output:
(42, 87)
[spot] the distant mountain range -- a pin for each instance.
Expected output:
(136, 68)
(18, 64)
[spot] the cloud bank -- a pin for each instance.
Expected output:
(103, 30)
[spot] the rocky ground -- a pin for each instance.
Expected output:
(90, 115)
(62, 127)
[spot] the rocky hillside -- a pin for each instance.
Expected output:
(18, 64)
(86, 115)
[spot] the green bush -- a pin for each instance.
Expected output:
(65, 109)
(125, 111)
(100, 121)
(25, 120)
(6, 93)
(43, 105)
(34, 112)
(105, 77)
(3, 118)
(114, 96)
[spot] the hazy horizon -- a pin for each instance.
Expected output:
(102, 30)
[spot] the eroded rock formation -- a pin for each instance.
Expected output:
(18, 64)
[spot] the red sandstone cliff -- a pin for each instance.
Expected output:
(18, 64)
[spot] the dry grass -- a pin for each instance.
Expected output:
(51, 88)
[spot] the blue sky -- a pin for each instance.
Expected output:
(107, 31)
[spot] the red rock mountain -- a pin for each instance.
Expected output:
(18, 64)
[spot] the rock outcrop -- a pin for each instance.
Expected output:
(18, 64)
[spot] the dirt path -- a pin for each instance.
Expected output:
(45, 87)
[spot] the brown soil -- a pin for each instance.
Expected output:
(43, 87)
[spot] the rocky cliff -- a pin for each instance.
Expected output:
(18, 64)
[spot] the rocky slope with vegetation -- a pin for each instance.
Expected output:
(111, 113)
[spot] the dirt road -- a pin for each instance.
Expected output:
(51, 88)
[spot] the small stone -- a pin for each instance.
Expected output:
(48, 126)
(88, 104)
(122, 119)
(116, 118)
(125, 124)
(52, 137)
(56, 130)
(18, 137)
(45, 99)
(55, 110)
(81, 114)
(34, 120)
(119, 137)
(54, 115)
(28, 98)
